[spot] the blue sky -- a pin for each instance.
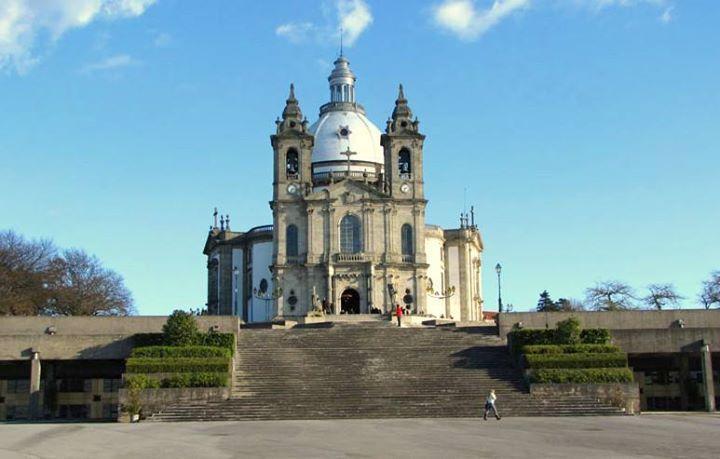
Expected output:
(584, 132)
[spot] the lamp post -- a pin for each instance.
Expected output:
(236, 273)
(498, 270)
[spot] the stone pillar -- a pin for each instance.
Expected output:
(708, 383)
(35, 395)
(684, 380)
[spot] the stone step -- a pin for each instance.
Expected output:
(361, 371)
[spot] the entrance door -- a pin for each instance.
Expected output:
(350, 302)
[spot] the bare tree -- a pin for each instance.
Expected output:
(710, 293)
(610, 296)
(87, 288)
(26, 266)
(661, 295)
(35, 280)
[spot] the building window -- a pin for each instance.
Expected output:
(406, 233)
(404, 163)
(111, 385)
(18, 386)
(350, 241)
(291, 241)
(292, 163)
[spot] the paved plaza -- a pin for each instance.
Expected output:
(679, 435)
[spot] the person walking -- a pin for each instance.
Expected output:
(398, 314)
(490, 405)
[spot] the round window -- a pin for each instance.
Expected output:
(263, 286)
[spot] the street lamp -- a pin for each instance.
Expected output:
(498, 270)
(236, 273)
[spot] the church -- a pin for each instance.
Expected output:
(349, 233)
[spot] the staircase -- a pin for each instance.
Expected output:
(374, 370)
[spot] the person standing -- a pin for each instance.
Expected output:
(398, 314)
(490, 405)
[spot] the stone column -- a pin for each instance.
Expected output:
(708, 383)
(684, 380)
(35, 384)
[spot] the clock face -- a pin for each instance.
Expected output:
(404, 187)
(292, 188)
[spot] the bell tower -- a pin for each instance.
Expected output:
(403, 150)
(292, 148)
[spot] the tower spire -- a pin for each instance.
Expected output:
(341, 41)
(342, 81)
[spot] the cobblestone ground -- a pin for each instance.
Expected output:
(666, 435)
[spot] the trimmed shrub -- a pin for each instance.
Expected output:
(570, 349)
(213, 339)
(224, 340)
(177, 365)
(180, 329)
(616, 360)
(180, 351)
(595, 336)
(534, 336)
(568, 331)
(141, 382)
(196, 380)
(581, 376)
(526, 336)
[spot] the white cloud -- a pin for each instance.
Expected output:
(296, 32)
(110, 63)
(352, 16)
(22, 22)
(162, 40)
(467, 21)
(666, 17)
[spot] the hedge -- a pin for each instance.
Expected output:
(178, 381)
(214, 339)
(615, 360)
(180, 351)
(533, 336)
(177, 364)
(595, 336)
(581, 376)
(196, 380)
(570, 349)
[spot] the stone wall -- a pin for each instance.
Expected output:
(105, 338)
(623, 395)
(666, 340)
(154, 400)
(614, 320)
(37, 325)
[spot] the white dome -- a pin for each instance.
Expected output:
(336, 131)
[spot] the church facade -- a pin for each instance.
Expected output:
(349, 233)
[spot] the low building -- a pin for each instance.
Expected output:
(674, 354)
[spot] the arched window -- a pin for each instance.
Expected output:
(350, 236)
(404, 163)
(406, 235)
(292, 163)
(291, 241)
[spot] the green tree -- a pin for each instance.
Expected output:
(545, 303)
(180, 329)
(568, 331)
